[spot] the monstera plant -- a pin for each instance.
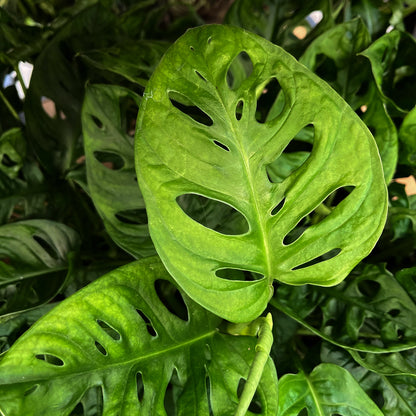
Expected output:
(195, 229)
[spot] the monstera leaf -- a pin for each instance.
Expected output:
(35, 260)
(329, 390)
(138, 346)
(107, 114)
(370, 312)
(204, 133)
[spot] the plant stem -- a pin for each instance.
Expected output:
(263, 347)
(9, 106)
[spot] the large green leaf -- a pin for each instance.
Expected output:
(369, 312)
(199, 136)
(129, 337)
(106, 119)
(329, 390)
(35, 260)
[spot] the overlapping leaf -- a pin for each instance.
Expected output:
(393, 394)
(328, 390)
(141, 347)
(371, 312)
(393, 69)
(202, 135)
(35, 259)
(333, 56)
(107, 115)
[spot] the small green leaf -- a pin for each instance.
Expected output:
(35, 260)
(391, 58)
(200, 135)
(121, 337)
(12, 152)
(328, 390)
(108, 115)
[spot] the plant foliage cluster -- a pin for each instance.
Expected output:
(193, 222)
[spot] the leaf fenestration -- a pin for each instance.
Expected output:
(178, 157)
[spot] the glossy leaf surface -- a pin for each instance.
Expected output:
(199, 134)
(328, 390)
(123, 338)
(107, 116)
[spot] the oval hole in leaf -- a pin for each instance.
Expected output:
(109, 160)
(296, 232)
(185, 106)
(271, 101)
(100, 348)
(48, 106)
(238, 274)
(303, 412)
(295, 155)
(132, 216)
(140, 386)
(31, 390)
(97, 121)
(109, 330)
(239, 110)
(327, 256)
(208, 390)
(7, 162)
(394, 312)
(369, 288)
(239, 70)
(200, 76)
(51, 359)
(171, 298)
(278, 207)
(46, 246)
(221, 145)
(213, 214)
(173, 391)
(255, 405)
(150, 328)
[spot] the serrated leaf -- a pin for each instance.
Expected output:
(119, 336)
(107, 114)
(369, 312)
(35, 261)
(328, 390)
(192, 140)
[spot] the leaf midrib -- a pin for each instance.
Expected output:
(126, 363)
(234, 129)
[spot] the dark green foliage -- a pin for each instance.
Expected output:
(250, 177)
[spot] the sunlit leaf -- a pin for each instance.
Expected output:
(194, 140)
(121, 337)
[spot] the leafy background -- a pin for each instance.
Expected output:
(63, 225)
